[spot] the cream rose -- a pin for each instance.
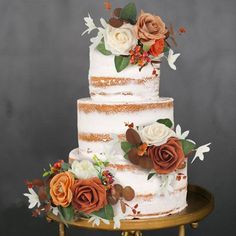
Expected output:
(83, 169)
(119, 41)
(156, 134)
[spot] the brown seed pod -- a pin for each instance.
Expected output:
(117, 11)
(133, 156)
(112, 199)
(133, 137)
(118, 190)
(128, 193)
(123, 206)
(146, 162)
(116, 23)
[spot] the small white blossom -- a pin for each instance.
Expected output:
(172, 58)
(90, 24)
(200, 152)
(167, 182)
(179, 133)
(96, 220)
(117, 220)
(33, 198)
(55, 210)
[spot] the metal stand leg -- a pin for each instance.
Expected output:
(181, 230)
(132, 233)
(61, 229)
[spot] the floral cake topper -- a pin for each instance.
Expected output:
(134, 39)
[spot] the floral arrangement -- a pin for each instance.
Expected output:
(158, 147)
(132, 39)
(81, 189)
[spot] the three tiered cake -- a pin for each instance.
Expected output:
(131, 161)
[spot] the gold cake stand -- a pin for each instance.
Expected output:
(200, 205)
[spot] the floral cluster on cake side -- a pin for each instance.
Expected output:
(134, 39)
(157, 147)
(82, 189)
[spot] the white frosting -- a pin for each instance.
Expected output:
(114, 123)
(103, 66)
(137, 178)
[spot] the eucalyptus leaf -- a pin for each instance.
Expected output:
(150, 175)
(146, 47)
(105, 213)
(187, 146)
(65, 166)
(166, 122)
(67, 212)
(125, 146)
(129, 13)
(102, 49)
(121, 62)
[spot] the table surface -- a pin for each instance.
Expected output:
(200, 205)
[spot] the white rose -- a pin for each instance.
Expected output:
(156, 134)
(83, 169)
(119, 41)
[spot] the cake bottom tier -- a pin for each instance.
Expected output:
(159, 196)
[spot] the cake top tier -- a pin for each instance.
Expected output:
(127, 50)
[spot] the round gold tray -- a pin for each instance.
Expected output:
(200, 204)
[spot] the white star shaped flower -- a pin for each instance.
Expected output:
(33, 198)
(200, 152)
(55, 210)
(117, 220)
(96, 220)
(90, 24)
(172, 58)
(179, 133)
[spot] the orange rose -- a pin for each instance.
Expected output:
(149, 28)
(60, 189)
(89, 195)
(167, 157)
(157, 48)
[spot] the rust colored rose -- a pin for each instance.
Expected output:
(89, 195)
(157, 48)
(149, 28)
(167, 157)
(60, 189)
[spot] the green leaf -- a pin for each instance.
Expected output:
(150, 175)
(105, 213)
(129, 13)
(187, 146)
(65, 166)
(121, 62)
(67, 212)
(102, 49)
(46, 173)
(166, 122)
(125, 146)
(146, 47)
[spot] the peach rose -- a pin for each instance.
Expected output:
(60, 189)
(89, 195)
(149, 28)
(167, 157)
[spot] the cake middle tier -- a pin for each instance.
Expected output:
(99, 122)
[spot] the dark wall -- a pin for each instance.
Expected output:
(43, 70)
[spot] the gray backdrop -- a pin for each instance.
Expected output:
(43, 70)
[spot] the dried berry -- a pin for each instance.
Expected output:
(118, 189)
(133, 137)
(146, 162)
(182, 165)
(116, 23)
(133, 156)
(122, 206)
(128, 193)
(112, 199)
